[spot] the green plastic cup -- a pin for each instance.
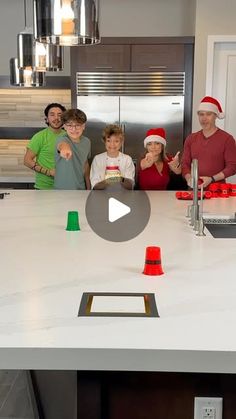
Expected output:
(73, 221)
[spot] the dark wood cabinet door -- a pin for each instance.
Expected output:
(163, 57)
(103, 58)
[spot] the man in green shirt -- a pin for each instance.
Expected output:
(41, 148)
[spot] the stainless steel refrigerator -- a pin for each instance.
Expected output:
(135, 101)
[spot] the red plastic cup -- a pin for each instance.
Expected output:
(153, 261)
(224, 190)
(215, 189)
(207, 194)
(187, 195)
(178, 194)
(232, 189)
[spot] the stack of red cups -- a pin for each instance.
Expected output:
(224, 190)
(214, 188)
(232, 191)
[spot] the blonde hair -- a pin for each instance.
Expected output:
(110, 130)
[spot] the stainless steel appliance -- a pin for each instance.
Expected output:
(137, 102)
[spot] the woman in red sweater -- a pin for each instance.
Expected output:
(154, 169)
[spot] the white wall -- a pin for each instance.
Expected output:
(12, 21)
(147, 17)
(213, 17)
(117, 18)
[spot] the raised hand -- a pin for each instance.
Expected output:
(65, 151)
(174, 164)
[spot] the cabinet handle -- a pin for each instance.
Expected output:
(157, 66)
(103, 66)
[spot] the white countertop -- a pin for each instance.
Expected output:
(17, 179)
(45, 270)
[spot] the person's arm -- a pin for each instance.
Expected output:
(87, 175)
(97, 174)
(128, 174)
(30, 161)
(230, 158)
(186, 161)
(65, 150)
(230, 164)
(175, 165)
(211, 179)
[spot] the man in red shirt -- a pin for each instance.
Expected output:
(214, 148)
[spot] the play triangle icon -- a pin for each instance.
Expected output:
(117, 210)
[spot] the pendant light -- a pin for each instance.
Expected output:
(25, 42)
(67, 22)
(25, 77)
(35, 55)
(48, 57)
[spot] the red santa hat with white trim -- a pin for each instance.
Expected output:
(210, 104)
(157, 135)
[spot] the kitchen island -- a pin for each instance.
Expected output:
(46, 269)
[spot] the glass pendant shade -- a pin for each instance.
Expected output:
(38, 56)
(25, 77)
(67, 22)
(54, 57)
(25, 41)
(48, 57)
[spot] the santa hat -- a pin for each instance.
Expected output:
(157, 135)
(209, 104)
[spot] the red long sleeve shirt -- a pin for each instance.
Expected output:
(215, 154)
(151, 180)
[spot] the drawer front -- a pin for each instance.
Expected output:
(164, 57)
(103, 58)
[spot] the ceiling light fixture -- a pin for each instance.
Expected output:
(26, 77)
(35, 55)
(67, 22)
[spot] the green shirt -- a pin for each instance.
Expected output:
(70, 173)
(43, 145)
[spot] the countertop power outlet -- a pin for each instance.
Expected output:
(208, 408)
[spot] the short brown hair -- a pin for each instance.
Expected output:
(110, 130)
(74, 115)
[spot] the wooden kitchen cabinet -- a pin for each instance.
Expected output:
(103, 58)
(129, 57)
(163, 57)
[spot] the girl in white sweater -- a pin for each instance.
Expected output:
(112, 167)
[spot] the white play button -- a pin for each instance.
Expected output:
(119, 215)
(117, 210)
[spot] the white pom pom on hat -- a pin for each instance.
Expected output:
(157, 135)
(210, 104)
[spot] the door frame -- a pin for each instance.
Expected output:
(212, 40)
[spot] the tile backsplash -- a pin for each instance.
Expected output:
(24, 107)
(12, 159)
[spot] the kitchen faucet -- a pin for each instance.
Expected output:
(194, 184)
(196, 216)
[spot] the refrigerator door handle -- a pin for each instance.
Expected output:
(123, 143)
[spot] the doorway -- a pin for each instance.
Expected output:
(221, 79)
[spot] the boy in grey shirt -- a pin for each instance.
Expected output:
(72, 153)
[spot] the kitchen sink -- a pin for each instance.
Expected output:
(221, 228)
(222, 231)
